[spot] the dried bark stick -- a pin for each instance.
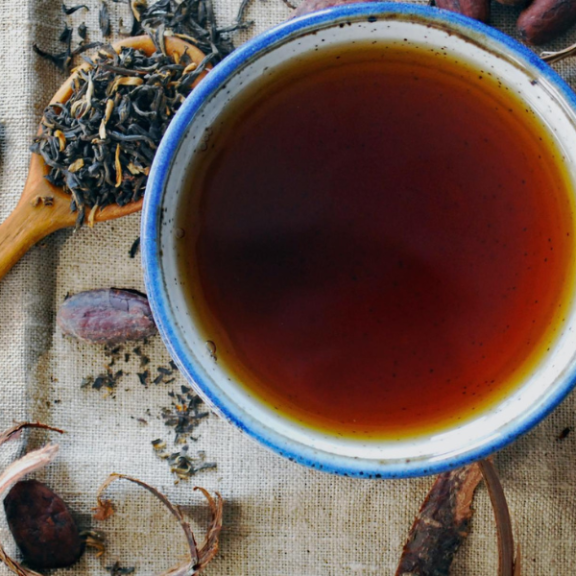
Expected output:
(441, 525)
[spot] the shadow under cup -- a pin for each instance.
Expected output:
(167, 242)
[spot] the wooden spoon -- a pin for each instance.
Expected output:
(44, 208)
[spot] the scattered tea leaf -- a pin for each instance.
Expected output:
(73, 9)
(117, 570)
(104, 20)
(135, 248)
(66, 35)
(83, 31)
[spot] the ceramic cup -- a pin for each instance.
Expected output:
(519, 69)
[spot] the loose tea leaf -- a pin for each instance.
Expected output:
(73, 9)
(185, 413)
(199, 557)
(99, 145)
(106, 316)
(42, 526)
(441, 525)
(34, 460)
(135, 248)
(104, 20)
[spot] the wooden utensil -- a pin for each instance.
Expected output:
(44, 208)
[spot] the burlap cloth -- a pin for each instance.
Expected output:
(280, 519)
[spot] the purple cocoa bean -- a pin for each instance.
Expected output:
(42, 526)
(107, 316)
(477, 9)
(308, 6)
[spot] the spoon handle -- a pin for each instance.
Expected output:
(30, 221)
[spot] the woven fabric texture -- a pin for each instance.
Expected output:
(280, 519)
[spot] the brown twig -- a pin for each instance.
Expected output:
(553, 57)
(503, 522)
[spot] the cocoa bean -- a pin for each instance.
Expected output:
(107, 316)
(544, 20)
(477, 9)
(308, 6)
(42, 526)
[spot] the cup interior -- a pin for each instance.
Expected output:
(518, 69)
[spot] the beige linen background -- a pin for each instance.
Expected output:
(280, 519)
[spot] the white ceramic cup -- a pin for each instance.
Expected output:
(518, 69)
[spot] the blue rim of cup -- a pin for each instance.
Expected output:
(158, 293)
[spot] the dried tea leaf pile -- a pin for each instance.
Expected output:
(99, 144)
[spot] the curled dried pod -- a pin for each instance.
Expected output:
(108, 316)
(42, 526)
(198, 556)
(544, 20)
(477, 9)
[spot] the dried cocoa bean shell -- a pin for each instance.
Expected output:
(544, 20)
(108, 316)
(477, 9)
(42, 526)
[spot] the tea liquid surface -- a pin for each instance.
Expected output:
(379, 241)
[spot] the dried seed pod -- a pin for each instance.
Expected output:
(42, 526)
(544, 20)
(477, 9)
(107, 316)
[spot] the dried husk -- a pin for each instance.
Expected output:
(199, 557)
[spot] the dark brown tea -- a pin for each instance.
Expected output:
(379, 241)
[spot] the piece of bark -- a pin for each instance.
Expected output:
(441, 525)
